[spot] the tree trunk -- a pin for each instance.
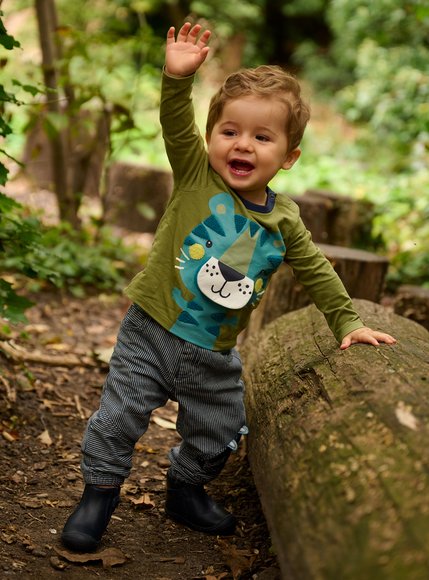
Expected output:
(46, 20)
(338, 447)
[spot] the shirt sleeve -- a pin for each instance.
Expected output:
(183, 142)
(312, 269)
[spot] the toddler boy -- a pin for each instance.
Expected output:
(222, 236)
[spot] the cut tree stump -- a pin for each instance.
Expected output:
(137, 196)
(413, 302)
(336, 219)
(338, 446)
(362, 273)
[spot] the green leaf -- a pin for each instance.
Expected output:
(3, 174)
(7, 203)
(7, 97)
(7, 40)
(28, 88)
(5, 129)
(12, 306)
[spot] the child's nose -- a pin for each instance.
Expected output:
(243, 143)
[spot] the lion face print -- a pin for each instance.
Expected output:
(225, 262)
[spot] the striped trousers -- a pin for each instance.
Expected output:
(150, 365)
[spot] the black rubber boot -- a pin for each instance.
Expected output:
(88, 522)
(192, 506)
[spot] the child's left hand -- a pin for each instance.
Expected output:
(366, 335)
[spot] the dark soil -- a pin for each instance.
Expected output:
(44, 408)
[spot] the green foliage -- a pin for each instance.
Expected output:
(69, 259)
(81, 259)
(377, 72)
(9, 43)
(61, 256)
(380, 60)
(17, 234)
(391, 94)
(12, 306)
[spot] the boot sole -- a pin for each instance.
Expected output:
(225, 528)
(79, 542)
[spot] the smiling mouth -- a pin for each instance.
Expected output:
(240, 167)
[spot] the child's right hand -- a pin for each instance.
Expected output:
(186, 54)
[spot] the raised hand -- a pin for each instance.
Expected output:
(184, 55)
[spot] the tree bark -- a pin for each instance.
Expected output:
(338, 447)
(47, 20)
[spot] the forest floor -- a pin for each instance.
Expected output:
(43, 411)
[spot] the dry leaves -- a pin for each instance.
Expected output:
(109, 557)
(143, 502)
(238, 561)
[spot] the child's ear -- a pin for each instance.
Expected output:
(291, 158)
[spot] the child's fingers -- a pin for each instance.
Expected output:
(193, 33)
(189, 33)
(170, 35)
(383, 337)
(204, 38)
(184, 32)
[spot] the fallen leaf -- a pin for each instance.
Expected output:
(144, 502)
(9, 436)
(36, 328)
(104, 354)
(40, 466)
(163, 422)
(45, 438)
(109, 557)
(405, 416)
(60, 347)
(238, 561)
(8, 538)
(57, 564)
(31, 502)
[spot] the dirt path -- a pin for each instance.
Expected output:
(43, 411)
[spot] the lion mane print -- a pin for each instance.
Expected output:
(225, 263)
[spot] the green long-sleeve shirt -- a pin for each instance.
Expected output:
(214, 253)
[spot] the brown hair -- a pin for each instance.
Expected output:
(269, 82)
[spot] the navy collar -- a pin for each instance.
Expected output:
(269, 204)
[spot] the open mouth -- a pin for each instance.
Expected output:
(240, 167)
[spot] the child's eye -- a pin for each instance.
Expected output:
(229, 133)
(262, 138)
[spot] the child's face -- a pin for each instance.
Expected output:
(248, 145)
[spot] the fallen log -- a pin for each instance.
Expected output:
(338, 446)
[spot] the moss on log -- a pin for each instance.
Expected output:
(338, 446)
